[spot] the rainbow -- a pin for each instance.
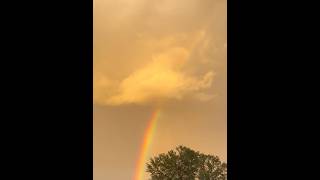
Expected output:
(145, 146)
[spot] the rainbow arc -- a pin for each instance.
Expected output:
(145, 145)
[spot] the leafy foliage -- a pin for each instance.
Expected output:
(186, 164)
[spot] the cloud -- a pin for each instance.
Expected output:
(160, 80)
(147, 52)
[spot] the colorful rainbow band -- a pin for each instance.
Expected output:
(145, 146)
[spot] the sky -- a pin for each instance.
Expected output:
(149, 55)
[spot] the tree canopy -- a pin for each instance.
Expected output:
(186, 164)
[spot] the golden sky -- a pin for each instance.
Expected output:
(149, 53)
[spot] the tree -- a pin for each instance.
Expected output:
(186, 164)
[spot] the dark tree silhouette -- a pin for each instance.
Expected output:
(186, 164)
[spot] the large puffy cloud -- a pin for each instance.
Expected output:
(160, 80)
